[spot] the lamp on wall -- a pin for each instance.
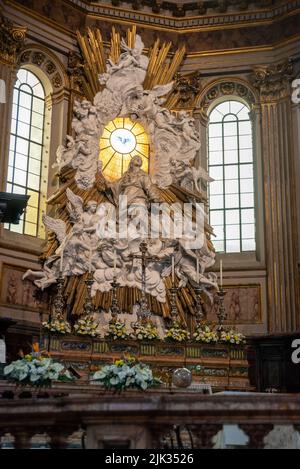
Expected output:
(12, 206)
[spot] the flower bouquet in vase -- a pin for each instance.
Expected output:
(36, 369)
(124, 374)
(176, 333)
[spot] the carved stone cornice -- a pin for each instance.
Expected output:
(11, 40)
(273, 81)
(188, 87)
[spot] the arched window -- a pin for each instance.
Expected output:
(230, 161)
(26, 149)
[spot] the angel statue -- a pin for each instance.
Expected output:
(187, 124)
(65, 154)
(74, 253)
(186, 175)
(129, 71)
(146, 104)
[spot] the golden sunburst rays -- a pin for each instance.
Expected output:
(115, 45)
(162, 67)
(92, 49)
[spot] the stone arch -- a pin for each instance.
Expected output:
(43, 60)
(221, 89)
(52, 73)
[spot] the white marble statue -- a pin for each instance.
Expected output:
(174, 143)
(129, 71)
(65, 154)
(188, 176)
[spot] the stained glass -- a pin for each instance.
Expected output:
(120, 141)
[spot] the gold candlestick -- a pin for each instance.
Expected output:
(221, 313)
(199, 304)
(88, 306)
(174, 311)
(115, 310)
(59, 299)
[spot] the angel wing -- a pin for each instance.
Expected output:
(124, 46)
(59, 156)
(57, 226)
(203, 174)
(162, 90)
(139, 45)
(75, 206)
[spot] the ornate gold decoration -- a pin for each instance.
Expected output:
(273, 81)
(38, 58)
(188, 87)
(161, 69)
(11, 40)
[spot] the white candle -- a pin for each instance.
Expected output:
(221, 273)
(115, 262)
(173, 269)
(197, 279)
(61, 261)
(90, 261)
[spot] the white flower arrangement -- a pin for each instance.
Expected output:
(36, 370)
(231, 336)
(125, 374)
(58, 325)
(176, 333)
(206, 334)
(86, 325)
(145, 330)
(117, 330)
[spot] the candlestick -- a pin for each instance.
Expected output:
(174, 312)
(173, 270)
(197, 278)
(221, 311)
(221, 273)
(199, 304)
(115, 310)
(115, 262)
(90, 261)
(88, 306)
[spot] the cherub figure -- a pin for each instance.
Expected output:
(131, 57)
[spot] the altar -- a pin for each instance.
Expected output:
(129, 230)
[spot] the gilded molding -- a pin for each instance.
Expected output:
(273, 81)
(11, 40)
(75, 71)
(188, 87)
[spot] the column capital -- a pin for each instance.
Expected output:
(11, 40)
(188, 87)
(273, 81)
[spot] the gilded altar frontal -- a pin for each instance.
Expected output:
(149, 227)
